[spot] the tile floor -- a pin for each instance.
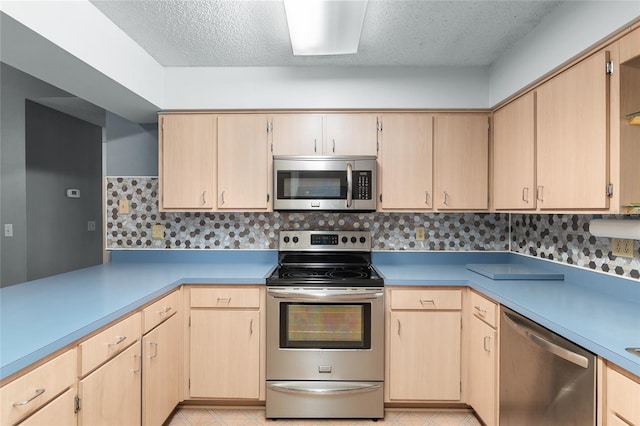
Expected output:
(256, 417)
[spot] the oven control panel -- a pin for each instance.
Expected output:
(324, 241)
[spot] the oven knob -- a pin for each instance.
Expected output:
(363, 240)
(285, 239)
(344, 240)
(295, 240)
(353, 240)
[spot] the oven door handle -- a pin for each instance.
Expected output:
(324, 296)
(338, 388)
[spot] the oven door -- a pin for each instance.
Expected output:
(325, 334)
(316, 183)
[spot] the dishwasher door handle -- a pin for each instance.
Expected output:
(548, 346)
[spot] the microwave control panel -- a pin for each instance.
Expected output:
(362, 185)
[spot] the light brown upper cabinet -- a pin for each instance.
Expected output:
(514, 155)
(461, 162)
(297, 134)
(572, 137)
(187, 166)
(351, 134)
(629, 134)
(324, 134)
(244, 181)
(405, 162)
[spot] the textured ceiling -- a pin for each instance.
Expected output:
(395, 32)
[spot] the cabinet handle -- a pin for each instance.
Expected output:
(525, 195)
(446, 198)
(224, 299)
(21, 403)
(155, 349)
(120, 340)
(484, 343)
(539, 193)
(334, 146)
(481, 312)
(381, 197)
(165, 310)
(251, 327)
(315, 145)
(139, 363)
(426, 197)
(399, 327)
(222, 197)
(204, 197)
(429, 301)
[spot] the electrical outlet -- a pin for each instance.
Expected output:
(91, 225)
(157, 232)
(622, 247)
(419, 233)
(123, 206)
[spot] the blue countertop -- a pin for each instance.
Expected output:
(597, 311)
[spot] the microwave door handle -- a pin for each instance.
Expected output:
(349, 185)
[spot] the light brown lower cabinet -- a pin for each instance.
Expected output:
(483, 367)
(111, 395)
(226, 351)
(622, 395)
(160, 371)
(423, 345)
(59, 412)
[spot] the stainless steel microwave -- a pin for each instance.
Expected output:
(324, 183)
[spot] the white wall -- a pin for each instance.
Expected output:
(131, 149)
(570, 29)
(73, 46)
(306, 87)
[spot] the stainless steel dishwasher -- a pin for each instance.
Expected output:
(544, 378)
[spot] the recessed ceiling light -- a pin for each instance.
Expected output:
(325, 27)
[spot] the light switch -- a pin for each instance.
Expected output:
(8, 230)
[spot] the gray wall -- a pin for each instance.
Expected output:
(62, 152)
(16, 87)
(131, 149)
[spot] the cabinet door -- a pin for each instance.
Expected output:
(243, 178)
(514, 155)
(160, 379)
(424, 356)
(59, 412)
(406, 159)
(351, 134)
(297, 134)
(225, 359)
(622, 398)
(111, 394)
(572, 137)
(483, 396)
(461, 162)
(187, 161)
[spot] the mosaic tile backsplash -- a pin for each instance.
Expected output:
(562, 238)
(259, 230)
(566, 239)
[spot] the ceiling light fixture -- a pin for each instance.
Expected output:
(325, 27)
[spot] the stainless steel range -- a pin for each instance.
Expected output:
(325, 328)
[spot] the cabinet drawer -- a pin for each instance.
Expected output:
(623, 395)
(59, 412)
(426, 299)
(159, 311)
(225, 297)
(109, 342)
(37, 387)
(484, 309)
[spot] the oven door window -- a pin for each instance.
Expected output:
(325, 326)
(311, 185)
